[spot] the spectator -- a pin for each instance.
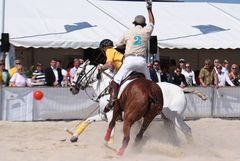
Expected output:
(156, 73)
(150, 66)
(234, 75)
(221, 78)
(189, 75)
(4, 75)
(226, 66)
(14, 69)
(182, 64)
(53, 75)
(38, 75)
(205, 74)
(73, 70)
(63, 71)
(19, 79)
(178, 78)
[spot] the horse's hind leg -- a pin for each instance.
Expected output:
(178, 121)
(146, 122)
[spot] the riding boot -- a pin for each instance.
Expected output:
(113, 91)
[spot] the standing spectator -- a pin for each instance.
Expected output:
(4, 75)
(226, 66)
(63, 71)
(150, 66)
(156, 73)
(73, 70)
(221, 78)
(14, 69)
(205, 74)
(38, 75)
(234, 75)
(53, 75)
(178, 78)
(189, 75)
(182, 64)
(19, 79)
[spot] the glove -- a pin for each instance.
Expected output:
(149, 4)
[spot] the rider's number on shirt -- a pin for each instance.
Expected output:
(137, 40)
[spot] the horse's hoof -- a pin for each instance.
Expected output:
(74, 139)
(120, 152)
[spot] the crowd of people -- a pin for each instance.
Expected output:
(53, 76)
(214, 74)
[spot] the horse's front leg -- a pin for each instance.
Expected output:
(84, 125)
(116, 111)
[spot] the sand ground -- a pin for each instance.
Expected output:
(213, 140)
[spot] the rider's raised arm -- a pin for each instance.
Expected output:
(150, 13)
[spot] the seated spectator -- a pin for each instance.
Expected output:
(14, 69)
(4, 75)
(38, 75)
(178, 78)
(221, 78)
(19, 79)
(234, 75)
(189, 75)
(205, 74)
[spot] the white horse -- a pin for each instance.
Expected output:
(174, 99)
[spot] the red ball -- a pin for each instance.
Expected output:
(38, 95)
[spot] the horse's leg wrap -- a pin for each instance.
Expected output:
(120, 152)
(108, 134)
(113, 90)
(79, 130)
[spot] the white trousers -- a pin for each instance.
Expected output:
(130, 64)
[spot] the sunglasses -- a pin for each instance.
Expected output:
(178, 71)
(17, 63)
(234, 68)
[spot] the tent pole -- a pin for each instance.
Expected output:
(3, 15)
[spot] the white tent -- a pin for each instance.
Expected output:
(84, 23)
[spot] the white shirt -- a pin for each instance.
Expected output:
(158, 72)
(223, 78)
(20, 80)
(189, 76)
(73, 71)
(55, 73)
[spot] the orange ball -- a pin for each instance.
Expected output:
(38, 95)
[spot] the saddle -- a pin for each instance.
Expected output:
(131, 77)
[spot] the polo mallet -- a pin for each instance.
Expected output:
(70, 131)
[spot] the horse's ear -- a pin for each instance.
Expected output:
(99, 76)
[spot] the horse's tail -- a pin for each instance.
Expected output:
(156, 97)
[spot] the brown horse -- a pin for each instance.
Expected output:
(141, 98)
